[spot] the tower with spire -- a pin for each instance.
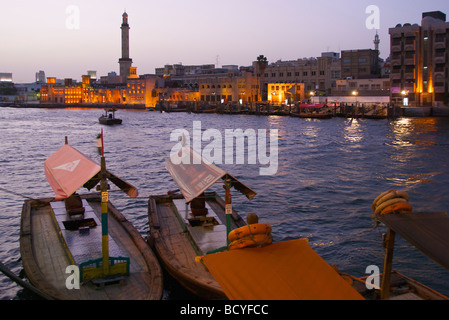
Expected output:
(376, 43)
(125, 61)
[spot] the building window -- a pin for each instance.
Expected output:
(362, 60)
(304, 73)
(347, 60)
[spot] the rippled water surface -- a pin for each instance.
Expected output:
(329, 173)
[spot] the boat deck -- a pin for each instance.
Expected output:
(83, 246)
(45, 256)
(206, 238)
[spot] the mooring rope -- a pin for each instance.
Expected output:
(15, 193)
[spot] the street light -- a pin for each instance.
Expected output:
(404, 98)
(312, 94)
(356, 93)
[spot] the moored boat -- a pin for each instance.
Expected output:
(312, 111)
(426, 231)
(185, 226)
(82, 247)
(312, 115)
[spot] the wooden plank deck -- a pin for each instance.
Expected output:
(175, 248)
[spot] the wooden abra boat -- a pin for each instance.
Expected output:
(62, 236)
(183, 227)
(314, 111)
(108, 118)
(312, 115)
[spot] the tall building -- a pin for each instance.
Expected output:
(40, 77)
(125, 61)
(420, 61)
(360, 64)
(5, 77)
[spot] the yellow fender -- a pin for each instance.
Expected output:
(390, 194)
(373, 206)
(388, 203)
(252, 229)
(401, 207)
(251, 241)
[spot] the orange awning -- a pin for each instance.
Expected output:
(289, 270)
(67, 170)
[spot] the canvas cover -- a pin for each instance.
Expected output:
(428, 232)
(194, 175)
(289, 270)
(67, 170)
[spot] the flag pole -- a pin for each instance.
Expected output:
(104, 210)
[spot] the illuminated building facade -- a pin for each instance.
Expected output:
(229, 87)
(420, 61)
(318, 73)
(280, 93)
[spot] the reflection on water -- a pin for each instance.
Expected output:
(353, 133)
(329, 172)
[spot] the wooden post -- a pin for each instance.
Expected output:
(388, 264)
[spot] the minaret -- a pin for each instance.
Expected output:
(376, 43)
(125, 62)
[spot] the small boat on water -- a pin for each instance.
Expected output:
(108, 118)
(185, 226)
(81, 247)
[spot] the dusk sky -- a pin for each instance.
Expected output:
(45, 34)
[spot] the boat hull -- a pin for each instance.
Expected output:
(175, 248)
(109, 121)
(45, 256)
(312, 115)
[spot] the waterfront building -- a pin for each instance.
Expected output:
(362, 87)
(315, 73)
(233, 86)
(111, 79)
(72, 92)
(360, 63)
(142, 90)
(125, 61)
(420, 61)
(181, 70)
(288, 93)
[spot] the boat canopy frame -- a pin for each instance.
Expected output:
(428, 232)
(193, 174)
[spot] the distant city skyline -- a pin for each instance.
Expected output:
(67, 38)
